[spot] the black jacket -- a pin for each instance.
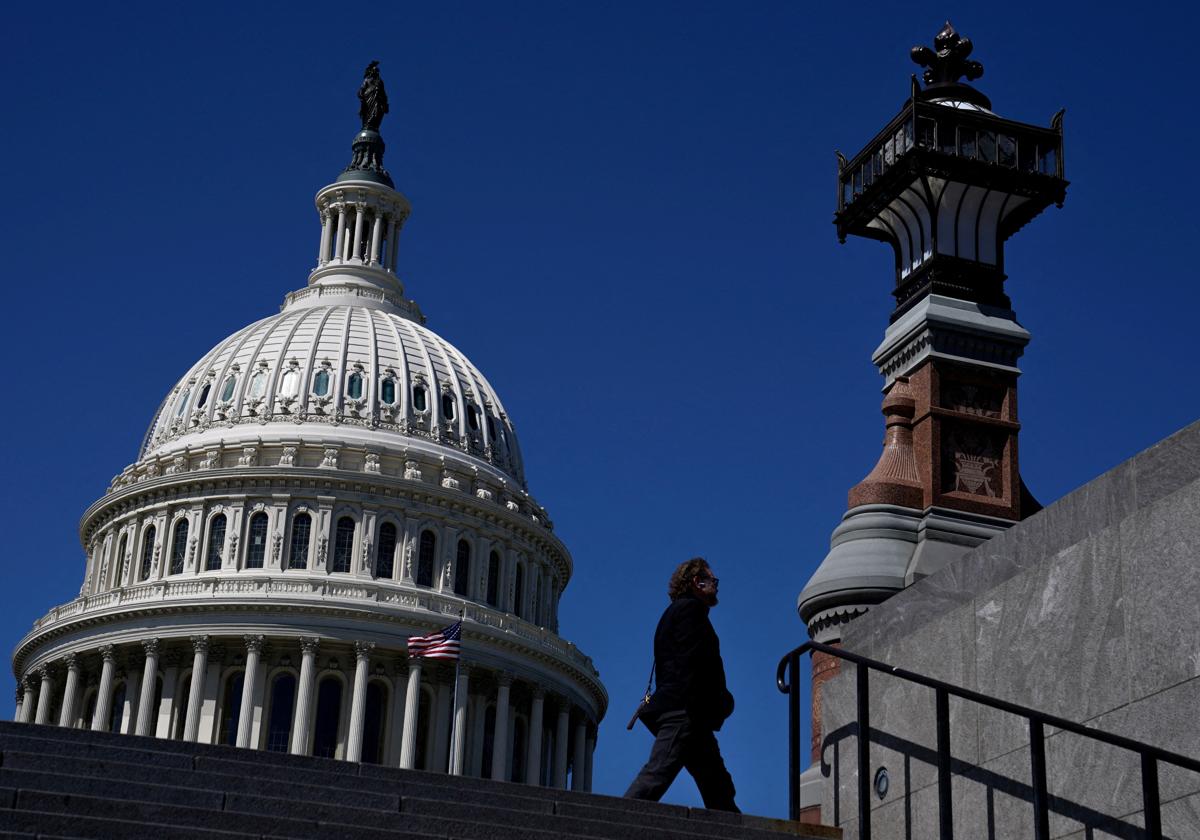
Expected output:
(689, 674)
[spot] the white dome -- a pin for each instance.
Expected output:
(338, 359)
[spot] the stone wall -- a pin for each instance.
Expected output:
(1089, 610)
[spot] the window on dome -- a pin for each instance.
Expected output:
(473, 417)
(491, 424)
(425, 558)
(493, 579)
(289, 386)
(216, 541)
(256, 545)
(321, 383)
(387, 391)
(386, 557)
(147, 554)
(227, 390)
(354, 386)
(518, 590)
(535, 608)
(179, 547)
(120, 559)
(183, 398)
(462, 568)
(448, 405)
(202, 400)
(419, 400)
(298, 550)
(258, 384)
(343, 545)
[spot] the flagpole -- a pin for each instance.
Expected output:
(454, 701)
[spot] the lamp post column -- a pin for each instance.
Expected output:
(308, 677)
(104, 695)
(71, 692)
(358, 702)
(149, 678)
(254, 647)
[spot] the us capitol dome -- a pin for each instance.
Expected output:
(318, 487)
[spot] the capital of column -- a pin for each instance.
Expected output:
(151, 647)
(200, 643)
(539, 693)
(504, 679)
(310, 644)
(45, 672)
(254, 644)
(362, 650)
(70, 661)
(20, 693)
(108, 654)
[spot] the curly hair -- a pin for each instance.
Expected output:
(684, 574)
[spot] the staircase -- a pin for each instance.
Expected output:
(59, 783)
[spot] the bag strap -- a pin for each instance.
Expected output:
(650, 681)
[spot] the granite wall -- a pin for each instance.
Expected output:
(1089, 610)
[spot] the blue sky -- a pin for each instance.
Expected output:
(621, 214)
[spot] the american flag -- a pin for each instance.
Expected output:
(440, 645)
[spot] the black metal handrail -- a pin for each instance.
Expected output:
(1151, 756)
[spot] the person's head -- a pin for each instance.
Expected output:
(693, 577)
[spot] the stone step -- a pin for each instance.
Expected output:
(85, 770)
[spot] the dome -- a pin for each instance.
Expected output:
(320, 487)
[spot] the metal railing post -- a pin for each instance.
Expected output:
(1150, 799)
(864, 753)
(945, 802)
(794, 736)
(1037, 760)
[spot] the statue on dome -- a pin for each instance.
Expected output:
(947, 61)
(373, 98)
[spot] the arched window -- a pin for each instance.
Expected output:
(116, 712)
(386, 558)
(424, 731)
(147, 554)
(493, 580)
(473, 417)
(387, 391)
(420, 402)
(520, 742)
(203, 398)
(448, 405)
(491, 427)
(489, 740)
(329, 713)
(321, 383)
(231, 709)
(183, 398)
(179, 546)
(283, 702)
(258, 383)
(535, 608)
(298, 550)
(354, 386)
(373, 720)
(519, 591)
(462, 568)
(289, 385)
(216, 541)
(425, 556)
(256, 544)
(227, 389)
(119, 560)
(343, 545)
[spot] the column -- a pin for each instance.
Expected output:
(254, 646)
(132, 695)
(71, 692)
(301, 723)
(149, 684)
(560, 744)
(500, 741)
(44, 694)
(412, 699)
(29, 701)
(358, 702)
(104, 695)
(376, 235)
(580, 758)
(326, 232)
(19, 711)
(191, 725)
(458, 741)
(390, 257)
(533, 760)
(166, 708)
(356, 243)
(587, 767)
(339, 243)
(394, 243)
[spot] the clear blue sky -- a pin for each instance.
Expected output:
(622, 215)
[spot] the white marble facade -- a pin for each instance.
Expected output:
(321, 485)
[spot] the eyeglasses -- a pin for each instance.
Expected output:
(716, 581)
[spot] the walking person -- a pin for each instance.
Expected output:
(691, 701)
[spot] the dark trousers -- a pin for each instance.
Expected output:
(679, 744)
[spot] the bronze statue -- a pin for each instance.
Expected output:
(373, 98)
